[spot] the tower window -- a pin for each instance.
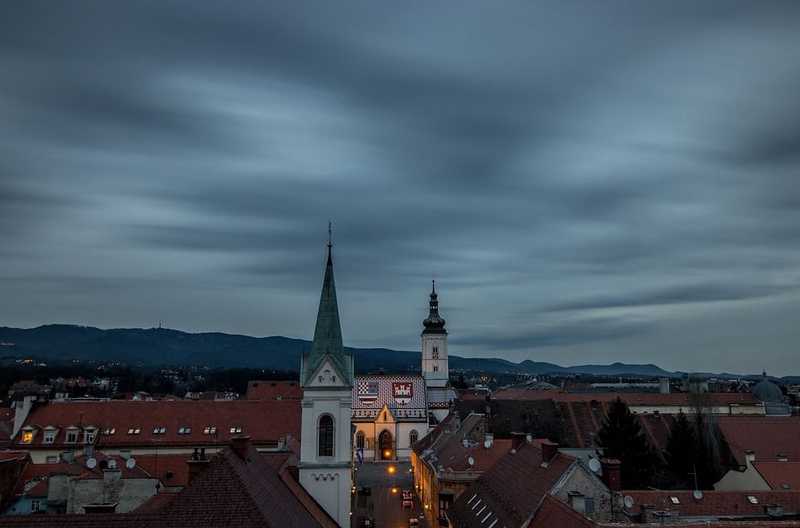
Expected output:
(326, 436)
(413, 436)
(435, 354)
(436, 368)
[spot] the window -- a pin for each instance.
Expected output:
(436, 352)
(236, 430)
(134, 430)
(360, 440)
(109, 431)
(159, 430)
(326, 436)
(35, 505)
(72, 437)
(210, 430)
(589, 505)
(88, 436)
(49, 436)
(413, 436)
(752, 499)
(27, 437)
(185, 430)
(675, 500)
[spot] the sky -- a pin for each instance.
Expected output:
(587, 182)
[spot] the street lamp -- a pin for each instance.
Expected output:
(391, 470)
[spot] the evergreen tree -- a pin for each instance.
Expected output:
(621, 437)
(681, 448)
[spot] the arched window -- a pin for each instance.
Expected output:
(326, 436)
(413, 436)
(360, 440)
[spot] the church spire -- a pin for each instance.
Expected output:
(327, 341)
(434, 324)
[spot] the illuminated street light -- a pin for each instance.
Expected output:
(391, 470)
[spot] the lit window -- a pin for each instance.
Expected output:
(185, 430)
(675, 500)
(210, 430)
(752, 499)
(436, 368)
(158, 430)
(236, 430)
(134, 430)
(27, 437)
(72, 437)
(109, 431)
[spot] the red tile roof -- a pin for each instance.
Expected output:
(511, 491)
(715, 503)
(631, 398)
(123, 415)
(768, 437)
(171, 470)
(780, 475)
(10, 456)
(274, 390)
(555, 513)
(232, 492)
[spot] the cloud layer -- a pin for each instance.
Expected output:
(586, 184)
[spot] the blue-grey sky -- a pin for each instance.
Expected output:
(588, 182)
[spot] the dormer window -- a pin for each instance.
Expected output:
(675, 500)
(159, 430)
(752, 499)
(72, 436)
(49, 436)
(185, 430)
(134, 430)
(210, 430)
(236, 430)
(109, 431)
(88, 436)
(27, 436)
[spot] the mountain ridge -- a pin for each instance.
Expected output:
(164, 346)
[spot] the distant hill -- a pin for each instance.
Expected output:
(162, 346)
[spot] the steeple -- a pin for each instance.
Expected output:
(434, 324)
(327, 341)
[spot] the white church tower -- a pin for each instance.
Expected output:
(434, 346)
(326, 375)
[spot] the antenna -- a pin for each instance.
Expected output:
(330, 233)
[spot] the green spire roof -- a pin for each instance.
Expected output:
(327, 334)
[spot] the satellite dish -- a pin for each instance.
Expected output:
(112, 464)
(91, 463)
(471, 461)
(628, 501)
(130, 463)
(697, 494)
(594, 465)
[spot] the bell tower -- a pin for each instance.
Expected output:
(434, 345)
(326, 375)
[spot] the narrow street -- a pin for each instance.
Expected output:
(383, 501)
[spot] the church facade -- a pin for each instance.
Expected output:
(391, 412)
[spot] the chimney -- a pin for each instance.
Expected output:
(197, 464)
(106, 507)
(612, 473)
(549, 450)
(241, 445)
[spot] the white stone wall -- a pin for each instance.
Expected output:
(435, 377)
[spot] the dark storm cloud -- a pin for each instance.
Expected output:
(578, 179)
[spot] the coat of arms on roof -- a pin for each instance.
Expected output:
(367, 391)
(402, 392)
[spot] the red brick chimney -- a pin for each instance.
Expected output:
(612, 473)
(241, 445)
(197, 464)
(549, 450)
